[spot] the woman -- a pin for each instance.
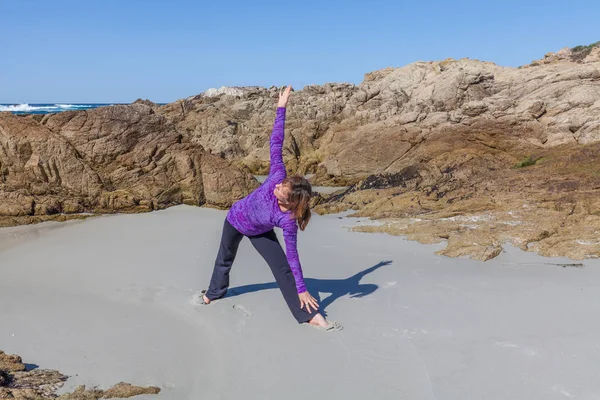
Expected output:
(279, 202)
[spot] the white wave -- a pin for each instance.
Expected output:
(25, 107)
(67, 106)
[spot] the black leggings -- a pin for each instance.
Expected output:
(268, 246)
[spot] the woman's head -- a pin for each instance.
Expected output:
(294, 194)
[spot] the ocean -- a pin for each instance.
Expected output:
(47, 108)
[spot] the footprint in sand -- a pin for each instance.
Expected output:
(243, 310)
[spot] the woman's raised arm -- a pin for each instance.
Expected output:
(277, 166)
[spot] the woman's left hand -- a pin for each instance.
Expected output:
(307, 300)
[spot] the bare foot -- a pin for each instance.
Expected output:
(206, 299)
(318, 320)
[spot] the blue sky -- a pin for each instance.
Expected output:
(121, 50)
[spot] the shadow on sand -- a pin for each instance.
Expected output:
(337, 287)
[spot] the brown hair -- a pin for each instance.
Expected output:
(299, 199)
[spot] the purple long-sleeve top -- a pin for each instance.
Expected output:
(259, 212)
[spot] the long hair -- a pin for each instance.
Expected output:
(299, 199)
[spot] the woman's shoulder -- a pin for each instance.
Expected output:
(276, 175)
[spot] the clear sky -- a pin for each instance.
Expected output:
(119, 50)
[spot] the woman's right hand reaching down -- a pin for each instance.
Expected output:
(283, 96)
(307, 300)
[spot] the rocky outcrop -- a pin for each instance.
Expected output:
(344, 132)
(578, 54)
(235, 123)
(19, 384)
(457, 150)
(439, 150)
(547, 202)
(123, 158)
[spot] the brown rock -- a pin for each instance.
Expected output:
(124, 390)
(223, 185)
(111, 159)
(344, 133)
(81, 393)
(432, 141)
(18, 384)
(11, 363)
(548, 206)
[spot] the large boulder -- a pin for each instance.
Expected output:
(122, 158)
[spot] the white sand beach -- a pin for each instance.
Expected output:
(107, 300)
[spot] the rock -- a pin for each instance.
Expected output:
(433, 141)
(448, 139)
(125, 390)
(581, 54)
(548, 205)
(230, 91)
(11, 363)
(17, 383)
(16, 204)
(40, 384)
(223, 185)
(4, 379)
(473, 244)
(474, 108)
(345, 133)
(81, 393)
(145, 102)
(111, 159)
(119, 391)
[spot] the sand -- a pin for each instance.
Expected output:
(107, 300)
